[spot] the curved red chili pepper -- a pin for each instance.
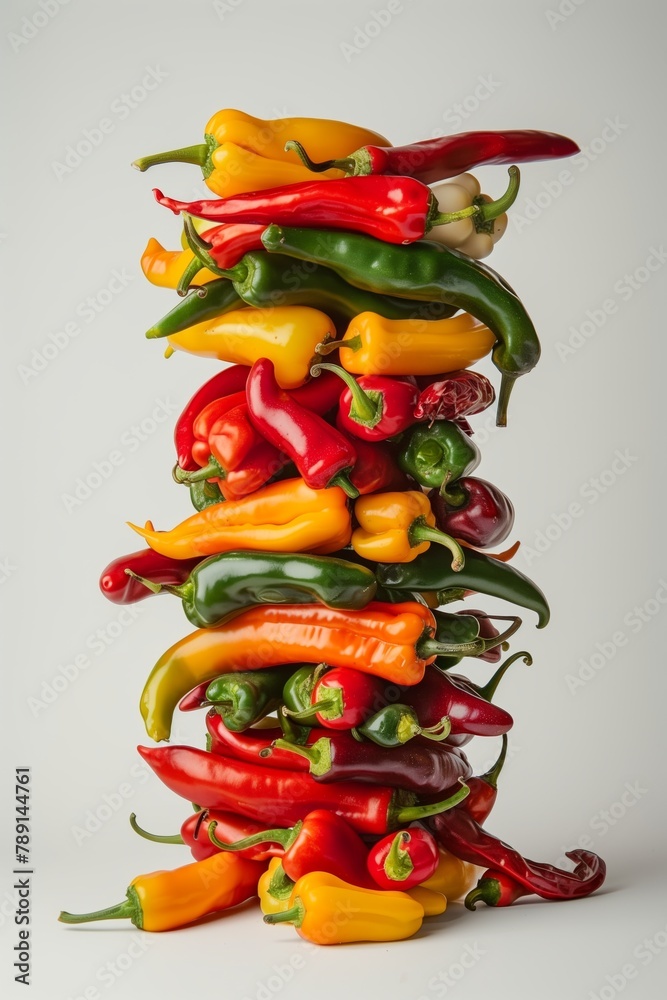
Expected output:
(122, 588)
(229, 242)
(229, 380)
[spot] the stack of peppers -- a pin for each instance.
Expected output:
(337, 526)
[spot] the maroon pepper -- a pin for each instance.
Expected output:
(321, 454)
(439, 695)
(473, 510)
(403, 860)
(373, 407)
(118, 586)
(232, 379)
(453, 395)
(448, 155)
(194, 834)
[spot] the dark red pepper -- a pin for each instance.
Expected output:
(484, 788)
(439, 695)
(473, 510)
(321, 454)
(227, 381)
(322, 841)
(403, 860)
(343, 698)
(194, 834)
(453, 395)
(448, 155)
(376, 468)
(121, 588)
(374, 407)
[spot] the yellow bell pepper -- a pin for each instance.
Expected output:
(274, 888)
(287, 335)
(326, 910)
(373, 345)
(242, 153)
(397, 527)
(165, 268)
(452, 877)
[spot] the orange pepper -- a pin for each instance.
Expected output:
(165, 268)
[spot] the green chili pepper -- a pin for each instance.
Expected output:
(395, 724)
(206, 302)
(204, 493)
(246, 696)
(455, 628)
(424, 270)
(224, 584)
(483, 574)
(297, 692)
(437, 455)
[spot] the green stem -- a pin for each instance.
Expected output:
(346, 163)
(398, 864)
(129, 909)
(491, 776)
(439, 732)
(420, 531)
(193, 268)
(489, 689)
(364, 409)
(186, 154)
(281, 836)
(341, 479)
(486, 891)
(354, 344)
(331, 706)
(408, 814)
(213, 469)
(507, 381)
(295, 915)
(427, 646)
(318, 755)
(482, 212)
(174, 838)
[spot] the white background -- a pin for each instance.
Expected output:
(584, 735)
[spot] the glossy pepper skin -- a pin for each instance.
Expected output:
(343, 698)
(321, 841)
(394, 725)
(165, 268)
(373, 408)
(229, 582)
(194, 834)
(244, 153)
(481, 573)
(122, 587)
(495, 888)
(439, 695)
(164, 900)
(388, 640)
(452, 877)
(449, 155)
(438, 455)
(375, 345)
(280, 798)
(318, 899)
(243, 697)
(474, 511)
(456, 394)
(225, 382)
(287, 516)
(420, 765)
(274, 888)
(253, 746)
(397, 527)
(322, 455)
(403, 860)
(430, 272)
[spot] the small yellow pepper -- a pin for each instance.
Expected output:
(373, 345)
(326, 910)
(274, 888)
(434, 902)
(287, 335)
(397, 527)
(452, 877)
(165, 268)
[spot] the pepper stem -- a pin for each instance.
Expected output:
(129, 909)
(281, 836)
(486, 891)
(408, 814)
(506, 385)
(353, 344)
(331, 707)
(318, 755)
(420, 531)
(197, 154)
(491, 776)
(341, 479)
(398, 864)
(489, 689)
(439, 732)
(482, 212)
(213, 469)
(428, 646)
(346, 164)
(174, 838)
(295, 915)
(363, 409)
(156, 588)
(193, 268)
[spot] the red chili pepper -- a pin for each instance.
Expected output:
(277, 796)
(229, 242)
(194, 834)
(454, 395)
(227, 381)
(474, 511)
(448, 155)
(255, 746)
(496, 888)
(484, 788)
(321, 842)
(376, 468)
(403, 860)
(122, 588)
(321, 454)
(344, 698)
(374, 407)
(439, 695)
(393, 209)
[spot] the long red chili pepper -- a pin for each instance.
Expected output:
(255, 746)
(321, 454)
(194, 834)
(122, 588)
(448, 155)
(229, 242)
(229, 380)
(393, 209)
(438, 694)
(279, 797)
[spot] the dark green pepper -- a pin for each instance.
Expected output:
(482, 574)
(455, 628)
(224, 584)
(437, 455)
(395, 724)
(207, 302)
(427, 271)
(244, 697)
